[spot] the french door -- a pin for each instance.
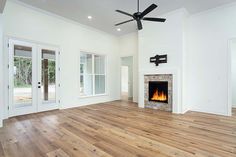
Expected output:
(33, 78)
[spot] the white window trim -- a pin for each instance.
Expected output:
(93, 75)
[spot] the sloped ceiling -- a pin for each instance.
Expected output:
(104, 15)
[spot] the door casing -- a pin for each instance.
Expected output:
(36, 76)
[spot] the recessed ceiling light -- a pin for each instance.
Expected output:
(90, 17)
(118, 29)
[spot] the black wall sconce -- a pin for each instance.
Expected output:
(158, 59)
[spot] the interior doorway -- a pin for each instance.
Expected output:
(33, 78)
(125, 82)
(233, 74)
(127, 78)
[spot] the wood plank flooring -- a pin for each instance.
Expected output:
(118, 129)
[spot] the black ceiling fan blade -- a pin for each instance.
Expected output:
(124, 22)
(148, 10)
(140, 26)
(154, 19)
(125, 13)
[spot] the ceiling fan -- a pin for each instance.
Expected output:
(138, 16)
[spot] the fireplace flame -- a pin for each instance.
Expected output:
(159, 96)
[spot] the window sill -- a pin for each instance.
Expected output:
(92, 96)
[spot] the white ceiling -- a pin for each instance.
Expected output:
(104, 15)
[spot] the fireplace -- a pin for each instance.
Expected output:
(158, 91)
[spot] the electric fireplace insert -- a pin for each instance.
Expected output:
(158, 91)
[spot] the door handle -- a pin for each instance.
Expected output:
(39, 86)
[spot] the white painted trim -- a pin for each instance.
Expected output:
(1, 72)
(132, 74)
(93, 74)
(5, 76)
(92, 96)
(221, 7)
(6, 71)
(230, 101)
(13, 111)
(173, 12)
(6, 39)
(49, 106)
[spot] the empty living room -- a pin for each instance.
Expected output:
(118, 78)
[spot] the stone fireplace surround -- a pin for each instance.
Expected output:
(158, 105)
(176, 87)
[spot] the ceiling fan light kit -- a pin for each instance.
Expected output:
(139, 16)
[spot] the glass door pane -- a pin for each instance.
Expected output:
(22, 68)
(33, 78)
(48, 76)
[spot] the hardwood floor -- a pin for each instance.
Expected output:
(118, 129)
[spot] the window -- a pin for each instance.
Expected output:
(92, 74)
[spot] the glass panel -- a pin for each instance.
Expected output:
(48, 80)
(99, 84)
(85, 63)
(99, 64)
(22, 76)
(86, 85)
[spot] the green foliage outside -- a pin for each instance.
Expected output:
(23, 72)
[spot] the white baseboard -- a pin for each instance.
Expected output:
(210, 112)
(185, 111)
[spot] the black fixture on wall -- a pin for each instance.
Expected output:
(158, 59)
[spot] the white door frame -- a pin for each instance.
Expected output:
(13, 111)
(230, 89)
(36, 47)
(48, 106)
(129, 71)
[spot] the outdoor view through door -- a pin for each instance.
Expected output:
(48, 80)
(22, 75)
(33, 78)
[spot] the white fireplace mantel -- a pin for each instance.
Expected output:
(177, 86)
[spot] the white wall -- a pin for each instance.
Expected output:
(128, 46)
(233, 70)
(197, 45)
(163, 38)
(207, 61)
(1, 72)
(26, 23)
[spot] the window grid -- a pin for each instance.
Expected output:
(93, 75)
